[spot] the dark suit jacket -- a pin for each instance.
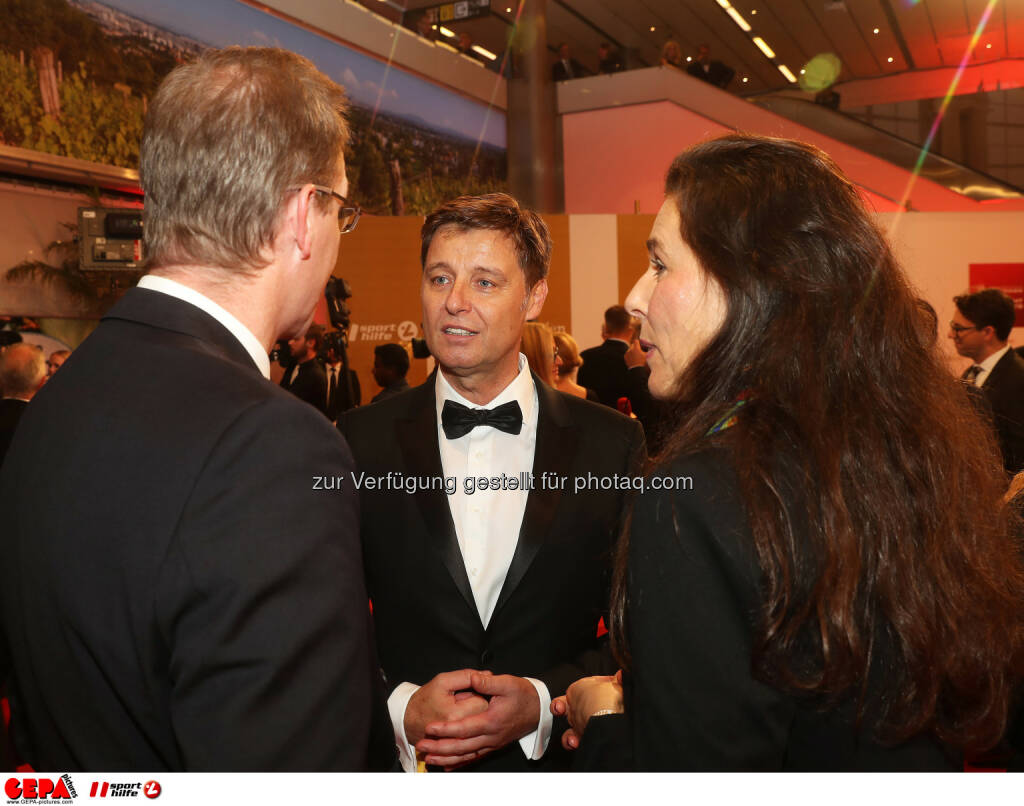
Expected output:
(556, 590)
(178, 597)
(310, 383)
(604, 370)
(560, 73)
(717, 73)
(10, 414)
(1004, 389)
(692, 701)
(339, 400)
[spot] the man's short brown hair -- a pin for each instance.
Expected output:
(501, 212)
(226, 138)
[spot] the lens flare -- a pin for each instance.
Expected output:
(950, 93)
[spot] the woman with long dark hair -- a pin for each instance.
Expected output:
(820, 572)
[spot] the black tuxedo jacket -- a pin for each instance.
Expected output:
(310, 383)
(1004, 390)
(545, 622)
(177, 595)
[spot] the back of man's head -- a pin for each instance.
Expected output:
(22, 370)
(495, 211)
(226, 138)
(988, 307)
(394, 357)
(618, 323)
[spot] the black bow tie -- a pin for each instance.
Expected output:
(458, 420)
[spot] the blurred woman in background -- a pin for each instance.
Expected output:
(538, 345)
(567, 365)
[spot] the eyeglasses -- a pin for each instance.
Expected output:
(958, 329)
(348, 213)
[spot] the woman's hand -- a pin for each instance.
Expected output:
(587, 697)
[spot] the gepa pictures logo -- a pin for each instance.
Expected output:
(18, 789)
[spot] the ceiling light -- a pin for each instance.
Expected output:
(446, 32)
(988, 45)
(787, 73)
(723, 3)
(889, 60)
(689, 58)
(767, 51)
(508, 11)
(736, 18)
(745, 79)
(652, 29)
(442, 44)
(875, 31)
(753, 11)
(484, 52)
(802, 71)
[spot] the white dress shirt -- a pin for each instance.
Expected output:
(204, 303)
(487, 524)
(988, 364)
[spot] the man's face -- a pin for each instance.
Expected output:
(563, 52)
(53, 363)
(970, 341)
(475, 303)
(298, 347)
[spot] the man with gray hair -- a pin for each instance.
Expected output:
(194, 603)
(22, 372)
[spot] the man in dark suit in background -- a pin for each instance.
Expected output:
(478, 624)
(980, 328)
(605, 368)
(22, 373)
(305, 376)
(340, 396)
(390, 365)
(192, 602)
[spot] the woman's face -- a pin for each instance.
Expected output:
(680, 307)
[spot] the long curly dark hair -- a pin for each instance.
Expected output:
(854, 427)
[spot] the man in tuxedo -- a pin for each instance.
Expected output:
(192, 602)
(22, 372)
(305, 376)
(980, 328)
(478, 623)
(606, 369)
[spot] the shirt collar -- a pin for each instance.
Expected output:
(245, 336)
(521, 389)
(992, 360)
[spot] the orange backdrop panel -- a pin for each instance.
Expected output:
(633, 233)
(558, 308)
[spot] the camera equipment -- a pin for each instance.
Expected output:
(420, 349)
(109, 238)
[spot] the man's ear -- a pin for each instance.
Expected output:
(535, 299)
(299, 220)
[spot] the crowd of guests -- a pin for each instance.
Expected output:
(609, 61)
(811, 567)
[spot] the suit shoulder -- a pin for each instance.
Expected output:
(374, 415)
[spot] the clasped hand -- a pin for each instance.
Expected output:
(461, 716)
(585, 698)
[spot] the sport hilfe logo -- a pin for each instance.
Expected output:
(105, 789)
(18, 789)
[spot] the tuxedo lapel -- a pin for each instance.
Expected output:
(417, 438)
(556, 447)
